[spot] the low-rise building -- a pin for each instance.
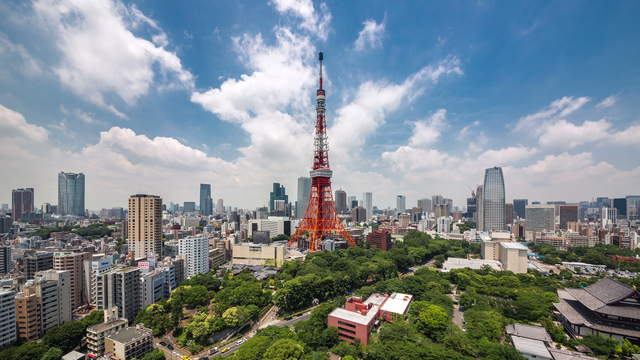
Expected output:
(379, 239)
(357, 318)
(96, 334)
(258, 254)
(129, 343)
(475, 264)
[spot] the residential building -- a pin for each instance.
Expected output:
(195, 251)
(304, 191)
(278, 193)
(63, 288)
(258, 254)
(120, 287)
(47, 292)
(129, 343)
(7, 318)
(220, 207)
(443, 224)
(73, 263)
(21, 203)
(608, 216)
(152, 287)
(38, 261)
(493, 200)
(28, 312)
(568, 213)
(341, 201)
(93, 269)
(519, 206)
(379, 239)
(357, 318)
(6, 261)
(5, 223)
(540, 218)
(401, 203)
(145, 225)
(607, 307)
(71, 194)
(206, 202)
(96, 334)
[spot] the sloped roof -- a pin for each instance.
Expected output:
(528, 331)
(609, 291)
(603, 297)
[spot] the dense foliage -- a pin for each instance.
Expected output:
(598, 254)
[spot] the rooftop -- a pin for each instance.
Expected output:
(514, 245)
(397, 303)
(476, 264)
(528, 331)
(531, 347)
(98, 328)
(569, 355)
(356, 317)
(129, 334)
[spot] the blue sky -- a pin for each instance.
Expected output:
(157, 97)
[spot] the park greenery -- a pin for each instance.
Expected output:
(92, 231)
(56, 342)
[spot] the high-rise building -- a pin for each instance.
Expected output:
(508, 213)
(73, 263)
(7, 318)
(28, 312)
(6, 261)
(120, 287)
(479, 208)
(568, 213)
(471, 207)
(189, 207)
(341, 201)
(278, 193)
(145, 225)
(21, 203)
(358, 214)
(5, 223)
(95, 269)
(633, 207)
(206, 202)
(63, 287)
(621, 205)
(437, 200)
(71, 194)
(401, 203)
(608, 216)
(367, 198)
(540, 217)
(38, 261)
(425, 205)
(220, 207)
(47, 291)
(519, 206)
(195, 251)
(304, 190)
(493, 199)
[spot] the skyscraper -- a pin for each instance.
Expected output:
(368, 204)
(401, 203)
(540, 217)
(278, 193)
(519, 206)
(493, 199)
(71, 194)
(633, 207)
(508, 214)
(471, 207)
(568, 213)
(479, 208)
(304, 188)
(341, 201)
(195, 251)
(621, 205)
(144, 225)
(21, 203)
(425, 205)
(220, 207)
(206, 202)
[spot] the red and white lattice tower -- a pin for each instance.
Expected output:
(320, 220)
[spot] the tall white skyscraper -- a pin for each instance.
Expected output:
(195, 250)
(493, 199)
(220, 207)
(401, 203)
(71, 194)
(304, 189)
(368, 204)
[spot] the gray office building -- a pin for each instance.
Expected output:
(519, 206)
(6, 262)
(341, 201)
(304, 190)
(206, 202)
(493, 200)
(401, 203)
(540, 217)
(71, 194)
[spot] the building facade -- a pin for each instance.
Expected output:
(7, 318)
(74, 264)
(38, 261)
(21, 203)
(493, 200)
(401, 203)
(195, 251)
(341, 201)
(145, 225)
(71, 194)
(6, 260)
(519, 206)
(278, 193)
(120, 287)
(63, 288)
(540, 218)
(304, 191)
(206, 201)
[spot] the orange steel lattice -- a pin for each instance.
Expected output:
(320, 220)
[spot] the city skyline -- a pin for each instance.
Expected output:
(223, 101)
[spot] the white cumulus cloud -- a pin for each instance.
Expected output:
(370, 36)
(315, 21)
(426, 132)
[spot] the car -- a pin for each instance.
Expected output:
(203, 358)
(225, 350)
(213, 351)
(163, 343)
(169, 346)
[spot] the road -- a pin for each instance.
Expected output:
(458, 317)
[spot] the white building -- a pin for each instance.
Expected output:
(152, 287)
(513, 256)
(474, 264)
(7, 317)
(275, 225)
(195, 250)
(63, 279)
(444, 224)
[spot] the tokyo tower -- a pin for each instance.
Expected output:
(320, 220)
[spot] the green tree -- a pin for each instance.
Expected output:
(52, 354)
(156, 354)
(191, 296)
(432, 320)
(284, 349)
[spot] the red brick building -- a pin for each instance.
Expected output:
(379, 239)
(357, 318)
